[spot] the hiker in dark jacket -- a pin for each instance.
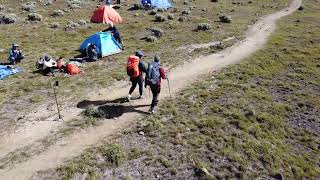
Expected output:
(114, 31)
(15, 54)
(153, 79)
(139, 79)
(92, 54)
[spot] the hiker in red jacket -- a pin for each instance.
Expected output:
(153, 79)
(135, 69)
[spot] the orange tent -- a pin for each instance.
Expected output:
(106, 14)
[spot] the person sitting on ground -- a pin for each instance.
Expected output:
(114, 31)
(153, 79)
(92, 54)
(15, 54)
(135, 69)
(60, 63)
(47, 65)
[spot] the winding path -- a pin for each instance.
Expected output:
(180, 78)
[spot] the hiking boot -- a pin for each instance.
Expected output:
(129, 97)
(141, 97)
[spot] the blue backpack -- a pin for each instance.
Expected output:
(153, 75)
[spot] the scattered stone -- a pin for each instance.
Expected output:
(181, 19)
(82, 22)
(116, 7)
(29, 6)
(204, 26)
(225, 19)
(170, 16)
(156, 32)
(214, 0)
(54, 25)
(2, 8)
(151, 39)
(58, 12)
(141, 133)
(8, 18)
(161, 10)
(153, 12)
(186, 12)
(35, 17)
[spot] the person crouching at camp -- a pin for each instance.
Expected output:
(92, 54)
(15, 54)
(115, 33)
(153, 79)
(135, 69)
(47, 65)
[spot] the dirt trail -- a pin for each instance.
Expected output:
(180, 78)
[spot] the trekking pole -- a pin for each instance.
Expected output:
(169, 87)
(55, 96)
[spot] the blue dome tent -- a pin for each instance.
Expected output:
(164, 4)
(105, 42)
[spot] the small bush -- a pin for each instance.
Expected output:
(2, 8)
(75, 4)
(35, 17)
(58, 12)
(225, 19)
(153, 12)
(82, 22)
(54, 25)
(93, 112)
(114, 154)
(160, 18)
(8, 18)
(151, 39)
(138, 6)
(161, 10)
(186, 12)
(156, 32)
(170, 16)
(174, 10)
(29, 6)
(204, 26)
(181, 19)
(71, 25)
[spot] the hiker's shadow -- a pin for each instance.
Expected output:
(112, 109)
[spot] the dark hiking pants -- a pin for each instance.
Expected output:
(155, 89)
(135, 81)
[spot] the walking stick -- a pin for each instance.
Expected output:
(55, 96)
(169, 87)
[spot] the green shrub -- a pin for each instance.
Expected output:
(204, 26)
(58, 12)
(35, 17)
(160, 18)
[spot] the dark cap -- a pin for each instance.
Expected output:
(139, 53)
(156, 58)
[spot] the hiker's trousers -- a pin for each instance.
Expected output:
(137, 80)
(155, 89)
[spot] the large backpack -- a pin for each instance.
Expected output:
(72, 69)
(133, 66)
(153, 76)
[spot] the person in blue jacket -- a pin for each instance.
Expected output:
(15, 54)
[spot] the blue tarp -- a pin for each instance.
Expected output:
(164, 4)
(105, 42)
(7, 71)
